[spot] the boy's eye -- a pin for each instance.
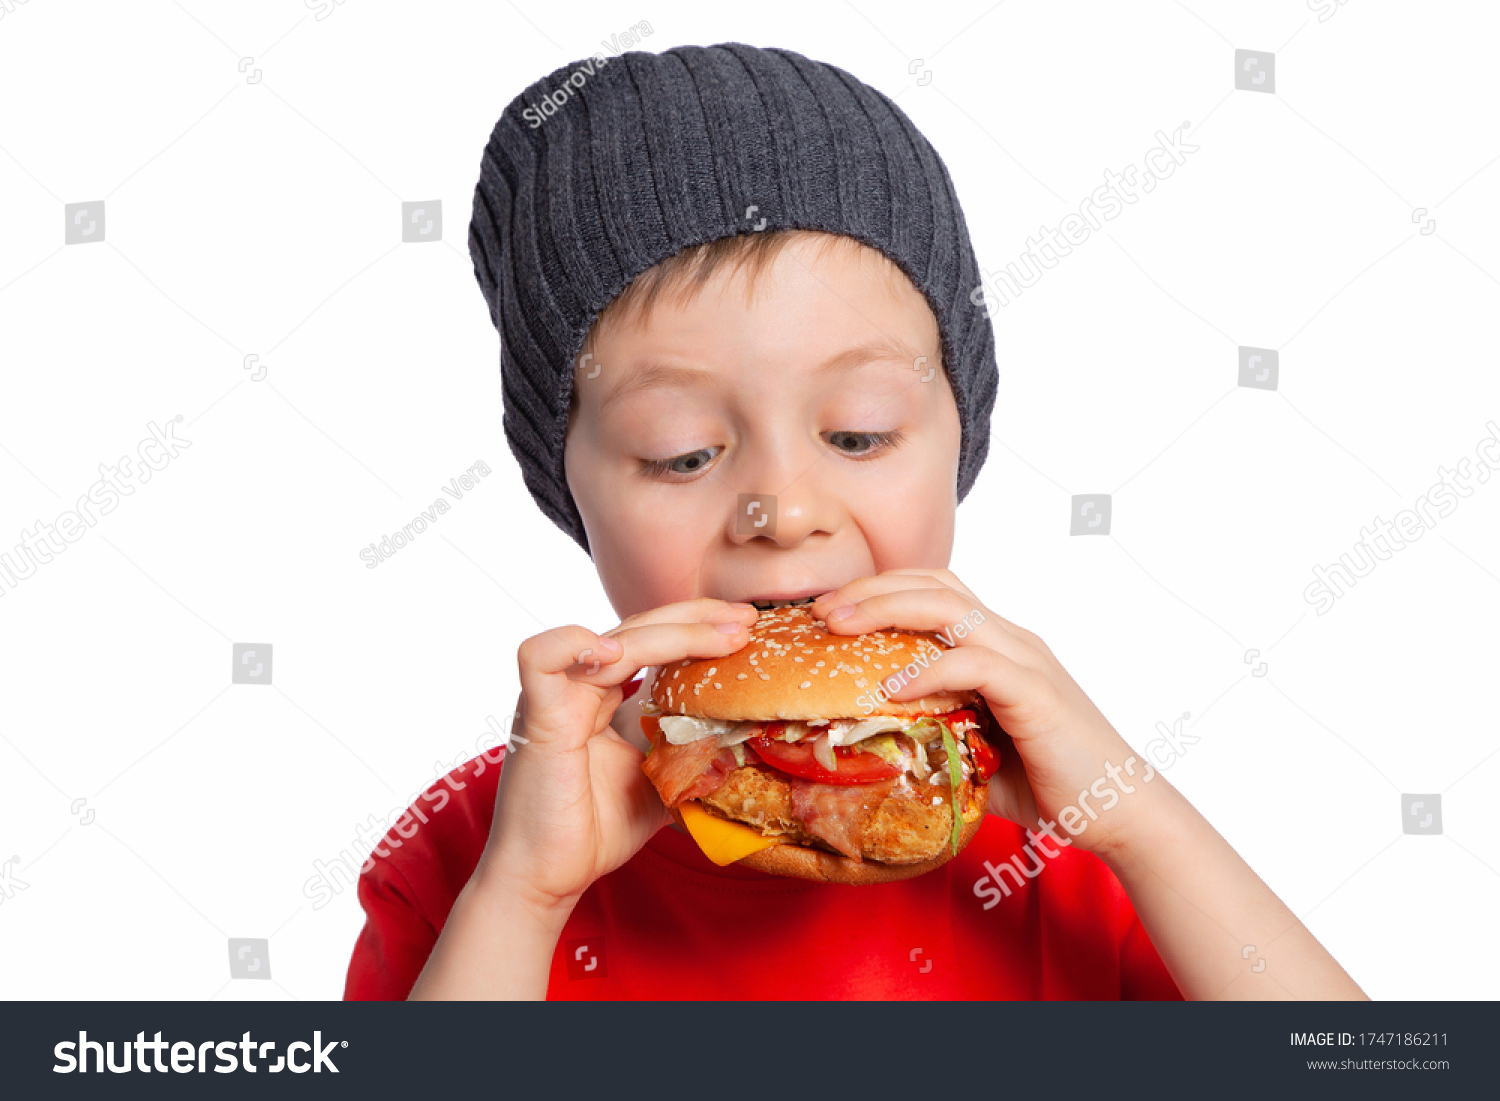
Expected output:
(856, 445)
(690, 463)
(862, 444)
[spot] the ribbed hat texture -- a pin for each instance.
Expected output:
(647, 154)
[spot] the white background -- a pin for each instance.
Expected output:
(263, 218)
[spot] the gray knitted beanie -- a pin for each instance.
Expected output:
(611, 165)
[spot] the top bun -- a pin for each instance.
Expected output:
(794, 669)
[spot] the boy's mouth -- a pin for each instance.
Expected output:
(767, 605)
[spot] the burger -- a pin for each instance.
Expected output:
(788, 756)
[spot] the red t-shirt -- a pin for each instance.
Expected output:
(670, 924)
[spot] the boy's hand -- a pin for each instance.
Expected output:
(1199, 902)
(573, 803)
(1058, 740)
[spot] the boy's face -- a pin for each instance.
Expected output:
(807, 395)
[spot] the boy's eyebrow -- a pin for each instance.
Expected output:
(658, 375)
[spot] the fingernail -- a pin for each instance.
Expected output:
(841, 613)
(742, 606)
(609, 645)
(733, 627)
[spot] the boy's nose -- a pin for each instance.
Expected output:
(786, 517)
(785, 497)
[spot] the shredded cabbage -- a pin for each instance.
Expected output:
(920, 766)
(685, 729)
(823, 753)
(851, 731)
(873, 735)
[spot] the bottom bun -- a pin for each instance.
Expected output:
(804, 862)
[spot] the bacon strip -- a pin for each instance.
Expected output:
(836, 813)
(712, 778)
(682, 772)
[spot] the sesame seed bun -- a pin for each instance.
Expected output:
(794, 669)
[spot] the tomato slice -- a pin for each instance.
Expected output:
(855, 766)
(986, 759)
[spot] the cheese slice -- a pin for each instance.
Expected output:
(722, 842)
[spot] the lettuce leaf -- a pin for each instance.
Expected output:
(885, 747)
(955, 770)
(955, 779)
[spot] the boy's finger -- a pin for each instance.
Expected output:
(944, 577)
(911, 603)
(1002, 681)
(702, 610)
(663, 643)
(607, 661)
(557, 650)
(548, 660)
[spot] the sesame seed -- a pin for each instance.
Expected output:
(805, 684)
(765, 676)
(796, 659)
(743, 676)
(718, 685)
(820, 665)
(711, 672)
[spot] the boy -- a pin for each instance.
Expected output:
(723, 273)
